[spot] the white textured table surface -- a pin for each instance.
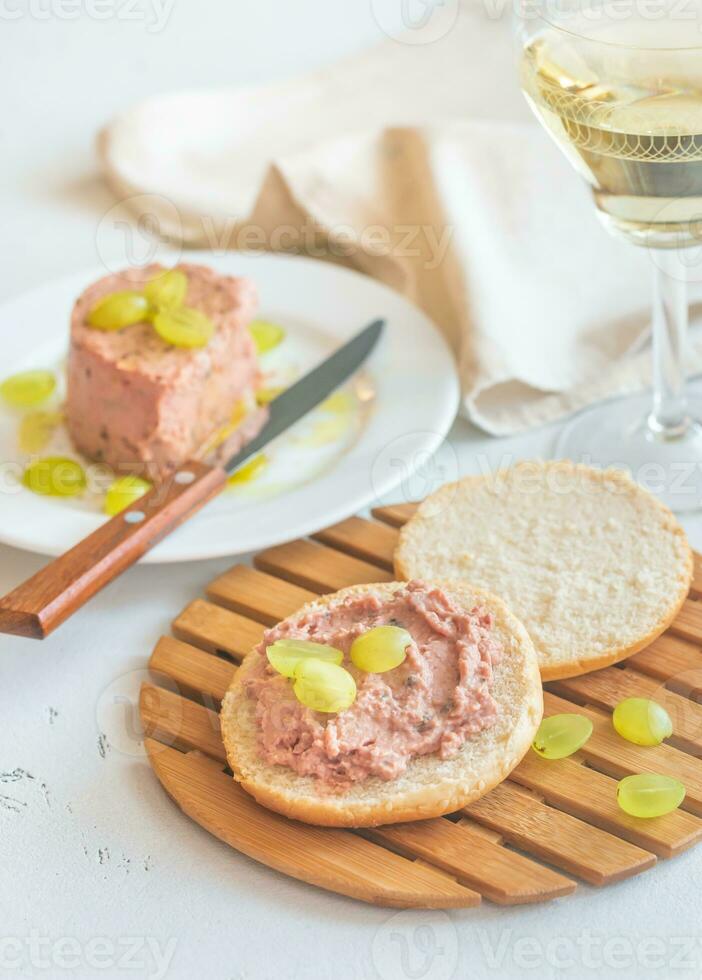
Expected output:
(100, 875)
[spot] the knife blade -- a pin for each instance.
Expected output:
(311, 390)
(36, 607)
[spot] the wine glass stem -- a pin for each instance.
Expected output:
(669, 418)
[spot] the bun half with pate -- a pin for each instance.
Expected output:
(419, 740)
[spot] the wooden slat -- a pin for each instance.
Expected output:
(559, 838)
(696, 586)
(608, 752)
(181, 723)
(395, 514)
(497, 873)
(213, 628)
(259, 596)
(675, 661)
(478, 828)
(688, 622)
(318, 568)
(606, 688)
(592, 797)
(367, 540)
(333, 859)
(192, 669)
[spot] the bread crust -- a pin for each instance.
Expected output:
(406, 565)
(429, 787)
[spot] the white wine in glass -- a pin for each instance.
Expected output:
(620, 91)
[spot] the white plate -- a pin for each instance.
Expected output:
(409, 396)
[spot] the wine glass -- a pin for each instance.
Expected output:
(619, 88)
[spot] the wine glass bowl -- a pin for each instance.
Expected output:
(620, 92)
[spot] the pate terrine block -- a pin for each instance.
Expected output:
(142, 405)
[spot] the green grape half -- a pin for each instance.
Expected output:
(36, 430)
(340, 403)
(285, 655)
(28, 388)
(648, 794)
(185, 327)
(380, 649)
(55, 476)
(323, 686)
(264, 396)
(220, 436)
(167, 290)
(642, 721)
(118, 310)
(123, 492)
(266, 335)
(249, 471)
(561, 735)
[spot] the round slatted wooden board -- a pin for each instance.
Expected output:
(529, 840)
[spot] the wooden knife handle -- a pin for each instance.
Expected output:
(44, 601)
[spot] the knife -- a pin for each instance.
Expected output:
(35, 608)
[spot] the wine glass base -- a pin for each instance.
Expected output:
(616, 433)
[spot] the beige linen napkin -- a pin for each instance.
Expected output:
(377, 163)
